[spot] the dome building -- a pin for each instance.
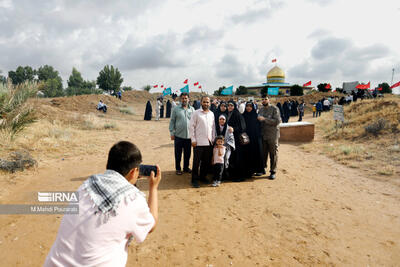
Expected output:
(275, 83)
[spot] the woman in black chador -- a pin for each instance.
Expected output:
(252, 153)
(162, 109)
(236, 121)
(148, 111)
(221, 110)
(168, 113)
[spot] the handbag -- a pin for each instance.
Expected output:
(244, 139)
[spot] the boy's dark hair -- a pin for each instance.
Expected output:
(123, 157)
(184, 94)
(219, 137)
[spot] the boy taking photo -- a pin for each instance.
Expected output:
(112, 212)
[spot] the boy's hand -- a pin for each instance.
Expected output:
(194, 144)
(154, 181)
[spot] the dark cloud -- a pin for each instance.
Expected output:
(230, 68)
(202, 34)
(253, 15)
(157, 52)
(335, 58)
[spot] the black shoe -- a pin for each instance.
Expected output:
(272, 176)
(195, 184)
(238, 180)
(188, 170)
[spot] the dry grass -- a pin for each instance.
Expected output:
(369, 140)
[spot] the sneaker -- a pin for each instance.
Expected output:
(215, 184)
(188, 170)
(195, 184)
(179, 172)
(272, 176)
(219, 183)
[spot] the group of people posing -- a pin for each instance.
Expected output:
(230, 144)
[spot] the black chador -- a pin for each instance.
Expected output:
(162, 109)
(168, 113)
(148, 111)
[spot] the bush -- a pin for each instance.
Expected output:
(126, 110)
(376, 127)
(15, 113)
(70, 91)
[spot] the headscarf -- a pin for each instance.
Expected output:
(252, 123)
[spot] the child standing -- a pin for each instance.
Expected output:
(218, 160)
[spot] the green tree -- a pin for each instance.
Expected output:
(75, 79)
(218, 92)
(51, 84)
(52, 88)
(241, 90)
(296, 90)
(21, 74)
(109, 79)
(385, 88)
(264, 91)
(3, 79)
(322, 87)
(127, 88)
(147, 88)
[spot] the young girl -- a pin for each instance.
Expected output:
(218, 159)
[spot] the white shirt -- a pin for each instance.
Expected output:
(85, 240)
(242, 107)
(326, 102)
(202, 127)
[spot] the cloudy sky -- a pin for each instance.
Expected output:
(214, 42)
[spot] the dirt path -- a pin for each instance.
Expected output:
(316, 212)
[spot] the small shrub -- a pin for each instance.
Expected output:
(18, 161)
(126, 110)
(110, 125)
(376, 127)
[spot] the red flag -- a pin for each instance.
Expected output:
(162, 86)
(274, 60)
(328, 86)
(186, 81)
(364, 86)
(199, 86)
(155, 86)
(380, 89)
(307, 84)
(368, 85)
(196, 83)
(395, 85)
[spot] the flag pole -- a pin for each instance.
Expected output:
(392, 76)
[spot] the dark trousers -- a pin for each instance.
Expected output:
(301, 116)
(218, 171)
(201, 160)
(185, 145)
(270, 148)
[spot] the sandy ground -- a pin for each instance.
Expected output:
(316, 212)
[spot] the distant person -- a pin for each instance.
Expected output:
(319, 108)
(279, 106)
(326, 104)
(102, 106)
(196, 104)
(202, 131)
(286, 111)
(314, 110)
(162, 108)
(168, 112)
(119, 94)
(218, 160)
(112, 212)
(179, 131)
(300, 109)
(173, 103)
(214, 105)
(158, 108)
(148, 112)
(270, 119)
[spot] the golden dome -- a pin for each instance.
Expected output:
(276, 75)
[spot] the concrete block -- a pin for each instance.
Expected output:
(296, 132)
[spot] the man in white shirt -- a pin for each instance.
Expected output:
(202, 134)
(112, 212)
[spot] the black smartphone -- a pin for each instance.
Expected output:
(145, 170)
